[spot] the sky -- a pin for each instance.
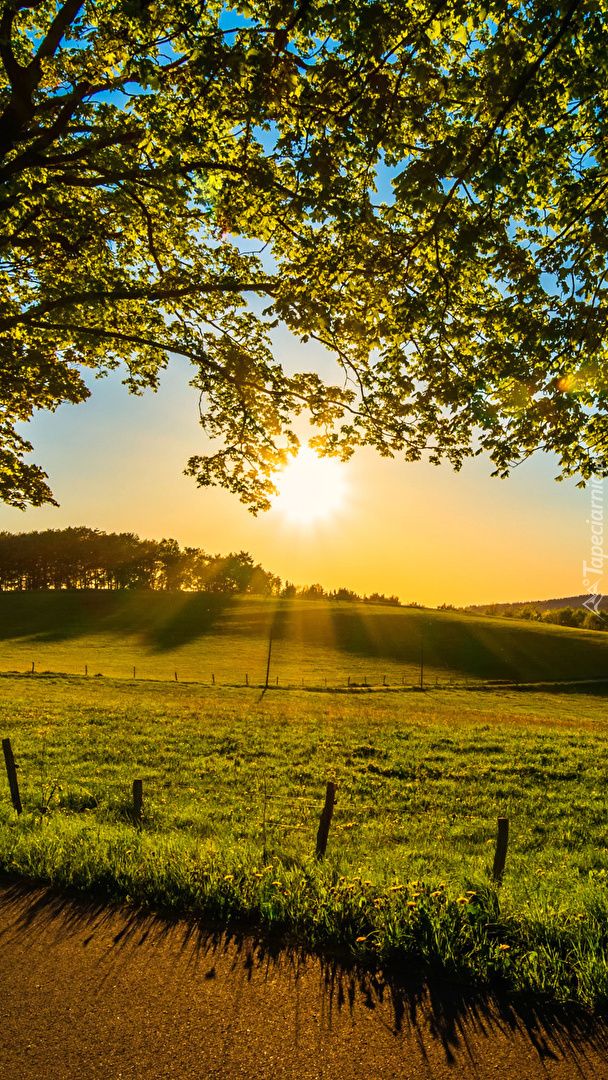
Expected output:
(422, 532)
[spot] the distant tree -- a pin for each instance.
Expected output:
(230, 573)
(313, 592)
(380, 598)
(529, 612)
(566, 616)
(263, 583)
(172, 562)
(594, 622)
(345, 595)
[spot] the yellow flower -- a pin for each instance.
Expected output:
(503, 948)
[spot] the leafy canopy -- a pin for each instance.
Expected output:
(178, 177)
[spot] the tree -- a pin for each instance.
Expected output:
(566, 616)
(177, 177)
(594, 622)
(313, 592)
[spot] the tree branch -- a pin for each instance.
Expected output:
(57, 29)
(24, 80)
(150, 294)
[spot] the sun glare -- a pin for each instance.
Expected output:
(311, 489)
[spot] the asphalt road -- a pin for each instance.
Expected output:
(94, 993)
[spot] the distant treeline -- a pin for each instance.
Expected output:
(82, 558)
(580, 618)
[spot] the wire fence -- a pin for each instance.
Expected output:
(325, 818)
(411, 680)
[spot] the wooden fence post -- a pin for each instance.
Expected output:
(326, 816)
(213, 680)
(138, 798)
(246, 680)
(501, 849)
(11, 772)
(133, 672)
(268, 662)
(176, 676)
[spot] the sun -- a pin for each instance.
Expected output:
(311, 489)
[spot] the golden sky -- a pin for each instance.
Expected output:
(422, 532)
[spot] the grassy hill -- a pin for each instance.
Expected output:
(200, 635)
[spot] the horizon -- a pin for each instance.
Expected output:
(423, 532)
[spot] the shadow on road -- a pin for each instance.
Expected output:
(421, 1011)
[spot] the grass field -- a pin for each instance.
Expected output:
(203, 635)
(234, 783)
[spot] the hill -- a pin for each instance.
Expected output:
(201, 636)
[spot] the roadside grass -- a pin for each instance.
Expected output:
(233, 787)
(200, 635)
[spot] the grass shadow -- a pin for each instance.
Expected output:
(163, 620)
(479, 648)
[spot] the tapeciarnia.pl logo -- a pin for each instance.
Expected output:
(595, 568)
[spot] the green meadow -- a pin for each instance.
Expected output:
(234, 782)
(202, 636)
